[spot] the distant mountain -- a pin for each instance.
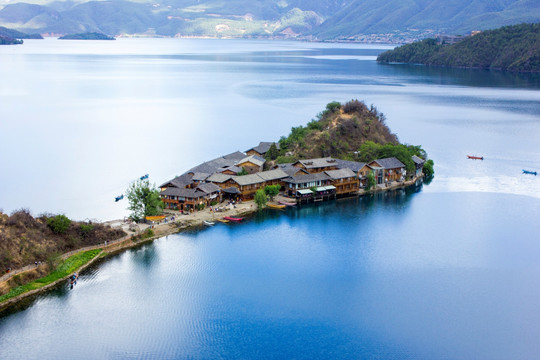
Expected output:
(512, 48)
(405, 17)
(390, 20)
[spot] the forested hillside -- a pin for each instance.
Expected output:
(351, 20)
(512, 48)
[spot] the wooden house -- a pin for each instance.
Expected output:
(363, 173)
(222, 180)
(345, 181)
(294, 184)
(261, 149)
(248, 185)
(291, 170)
(317, 165)
(387, 170)
(273, 177)
(253, 164)
(187, 199)
(418, 164)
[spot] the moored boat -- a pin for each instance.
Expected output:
(208, 223)
(118, 198)
(275, 206)
(287, 203)
(529, 172)
(233, 218)
(223, 220)
(475, 157)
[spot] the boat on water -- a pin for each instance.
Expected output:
(208, 223)
(144, 177)
(223, 220)
(287, 203)
(529, 172)
(475, 157)
(118, 198)
(275, 206)
(233, 218)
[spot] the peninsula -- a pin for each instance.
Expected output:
(348, 150)
(511, 48)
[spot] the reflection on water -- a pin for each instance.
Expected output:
(386, 276)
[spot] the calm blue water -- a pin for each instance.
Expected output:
(446, 271)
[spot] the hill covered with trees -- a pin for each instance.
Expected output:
(25, 239)
(350, 20)
(351, 131)
(86, 36)
(511, 48)
(13, 37)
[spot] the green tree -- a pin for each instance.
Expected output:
(260, 198)
(143, 200)
(242, 172)
(428, 169)
(272, 153)
(59, 223)
(370, 181)
(272, 190)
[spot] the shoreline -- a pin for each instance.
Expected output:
(180, 224)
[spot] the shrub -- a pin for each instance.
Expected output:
(59, 223)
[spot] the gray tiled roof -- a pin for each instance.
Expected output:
(231, 190)
(318, 163)
(248, 179)
(234, 169)
(290, 169)
(417, 160)
(390, 163)
(272, 174)
(189, 193)
(200, 176)
(179, 181)
(263, 147)
(218, 178)
(208, 188)
(340, 174)
(353, 165)
(216, 164)
(252, 159)
(299, 179)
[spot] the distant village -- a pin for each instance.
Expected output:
(303, 181)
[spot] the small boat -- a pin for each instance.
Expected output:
(287, 203)
(144, 177)
(208, 223)
(233, 218)
(475, 157)
(118, 198)
(529, 172)
(274, 206)
(223, 220)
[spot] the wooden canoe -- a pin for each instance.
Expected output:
(223, 220)
(529, 172)
(287, 203)
(274, 206)
(475, 157)
(233, 218)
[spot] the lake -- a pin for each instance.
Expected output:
(445, 270)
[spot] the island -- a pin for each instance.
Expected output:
(13, 37)
(511, 48)
(347, 151)
(86, 36)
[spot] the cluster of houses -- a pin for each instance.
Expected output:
(304, 180)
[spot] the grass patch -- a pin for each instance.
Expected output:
(67, 267)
